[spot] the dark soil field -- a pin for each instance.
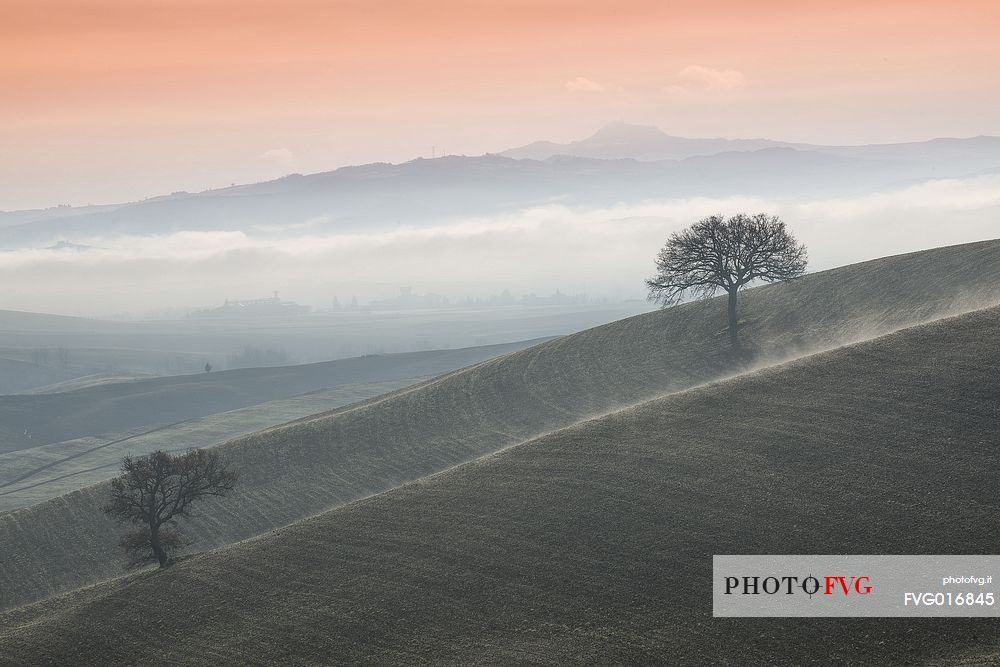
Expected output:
(594, 543)
(312, 465)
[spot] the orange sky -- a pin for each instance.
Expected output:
(119, 99)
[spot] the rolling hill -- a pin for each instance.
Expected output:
(38, 350)
(18, 374)
(293, 471)
(30, 420)
(593, 543)
(87, 381)
(29, 476)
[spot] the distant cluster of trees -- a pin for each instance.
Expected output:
(110, 361)
(256, 357)
(557, 299)
(407, 300)
(352, 307)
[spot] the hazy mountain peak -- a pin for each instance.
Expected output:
(627, 133)
(640, 142)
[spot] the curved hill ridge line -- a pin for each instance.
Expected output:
(775, 366)
(119, 407)
(203, 432)
(312, 465)
(85, 452)
(92, 380)
(368, 402)
(594, 544)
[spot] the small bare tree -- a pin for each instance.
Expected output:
(715, 253)
(153, 491)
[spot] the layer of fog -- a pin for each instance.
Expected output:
(604, 252)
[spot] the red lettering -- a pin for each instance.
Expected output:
(845, 585)
(831, 584)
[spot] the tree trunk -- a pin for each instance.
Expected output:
(734, 322)
(154, 542)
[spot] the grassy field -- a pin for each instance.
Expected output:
(593, 543)
(297, 470)
(87, 381)
(29, 476)
(104, 410)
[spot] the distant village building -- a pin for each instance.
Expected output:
(269, 307)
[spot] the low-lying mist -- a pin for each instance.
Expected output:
(603, 252)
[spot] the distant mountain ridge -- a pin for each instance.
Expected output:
(620, 163)
(645, 143)
(639, 142)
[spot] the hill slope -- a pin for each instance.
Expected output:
(594, 543)
(30, 476)
(115, 407)
(303, 468)
(18, 374)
